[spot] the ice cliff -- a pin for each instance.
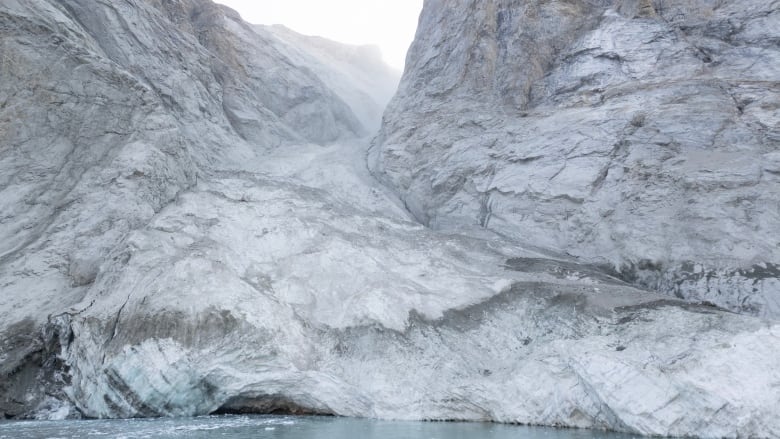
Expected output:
(190, 225)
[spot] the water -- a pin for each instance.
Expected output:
(282, 427)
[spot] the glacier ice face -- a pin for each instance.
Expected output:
(641, 135)
(189, 226)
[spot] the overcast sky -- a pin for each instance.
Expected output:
(389, 24)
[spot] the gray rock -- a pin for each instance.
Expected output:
(189, 226)
(356, 74)
(639, 135)
(109, 111)
(253, 295)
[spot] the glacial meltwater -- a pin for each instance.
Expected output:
(282, 427)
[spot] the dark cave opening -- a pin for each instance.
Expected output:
(268, 405)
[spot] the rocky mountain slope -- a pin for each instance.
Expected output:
(639, 135)
(189, 226)
(356, 73)
(109, 111)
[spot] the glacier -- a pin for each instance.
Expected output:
(196, 219)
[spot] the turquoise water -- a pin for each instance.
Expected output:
(282, 427)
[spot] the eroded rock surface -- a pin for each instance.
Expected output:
(641, 135)
(181, 237)
(109, 111)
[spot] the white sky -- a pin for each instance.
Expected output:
(389, 24)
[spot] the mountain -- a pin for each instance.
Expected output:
(112, 112)
(638, 135)
(356, 74)
(192, 221)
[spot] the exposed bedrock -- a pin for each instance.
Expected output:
(109, 111)
(322, 314)
(639, 135)
(188, 225)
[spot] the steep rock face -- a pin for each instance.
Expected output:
(108, 112)
(371, 82)
(642, 135)
(177, 246)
